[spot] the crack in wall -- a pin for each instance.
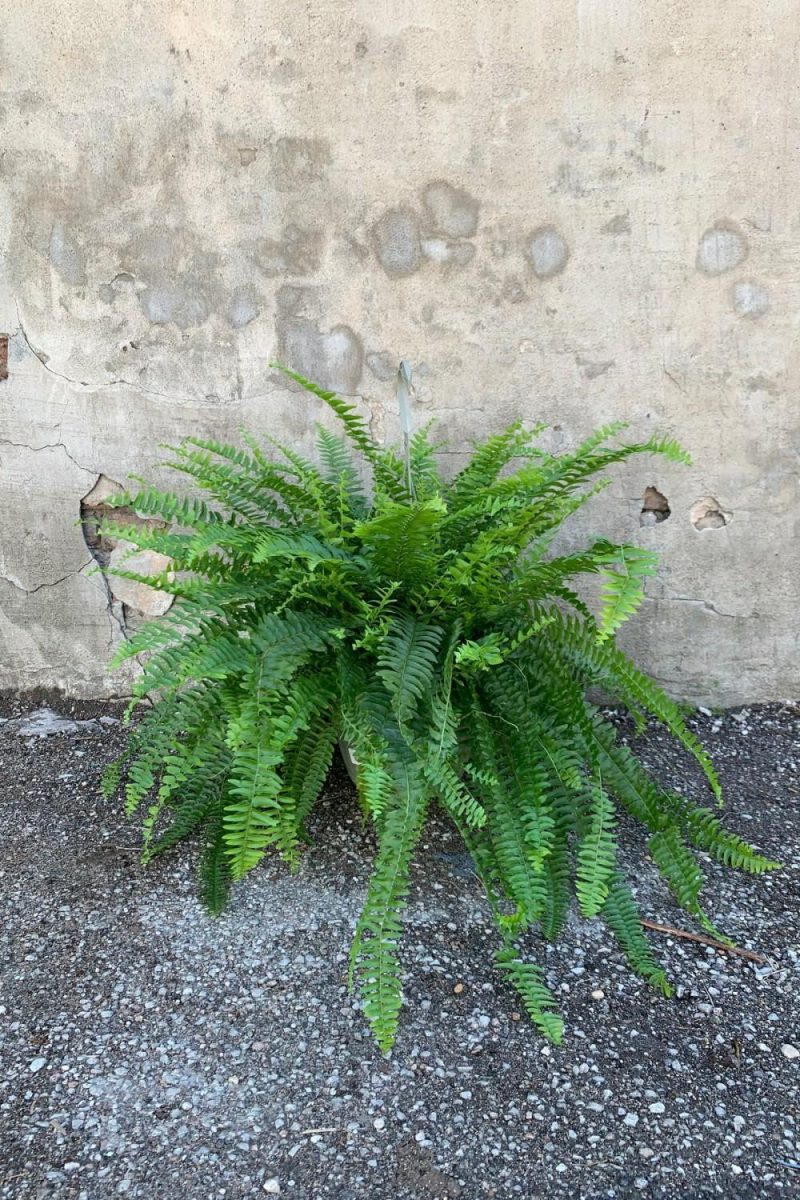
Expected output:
(88, 385)
(115, 610)
(114, 618)
(15, 583)
(674, 379)
(47, 446)
(706, 604)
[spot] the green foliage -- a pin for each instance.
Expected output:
(428, 624)
(596, 852)
(620, 913)
(623, 586)
(537, 999)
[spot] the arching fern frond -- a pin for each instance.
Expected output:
(596, 852)
(538, 1000)
(407, 661)
(379, 927)
(623, 587)
(620, 913)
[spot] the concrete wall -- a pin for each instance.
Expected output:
(571, 210)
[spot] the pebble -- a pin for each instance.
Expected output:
(37, 1065)
(598, 994)
(272, 1186)
(631, 1119)
(789, 1051)
(379, 1123)
(658, 1107)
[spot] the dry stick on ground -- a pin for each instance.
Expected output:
(706, 941)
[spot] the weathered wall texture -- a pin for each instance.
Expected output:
(563, 209)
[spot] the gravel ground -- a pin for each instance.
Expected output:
(151, 1052)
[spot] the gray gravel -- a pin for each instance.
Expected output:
(151, 1052)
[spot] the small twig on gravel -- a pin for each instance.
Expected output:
(706, 941)
(322, 1129)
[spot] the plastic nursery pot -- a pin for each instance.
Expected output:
(349, 760)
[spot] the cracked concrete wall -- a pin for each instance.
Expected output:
(569, 211)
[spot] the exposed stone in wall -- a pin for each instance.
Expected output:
(382, 365)
(655, 507)
(402, 237)
(617, 226)
(593, 368)
(94, 509)
(244, 307)
(298, 162)
(296, 252)
(440, 250)
(131, 592)
(708, 513)
(67, 257)
(113, 554)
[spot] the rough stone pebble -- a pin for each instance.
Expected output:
(152, 1052)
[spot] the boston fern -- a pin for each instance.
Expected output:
(428, 625)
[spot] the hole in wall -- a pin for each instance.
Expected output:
(95, 509)
(708, 513)
(109, 552)
(655, 507)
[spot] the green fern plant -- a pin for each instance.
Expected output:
(427, 623)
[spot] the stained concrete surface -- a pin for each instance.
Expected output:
(567, 212)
